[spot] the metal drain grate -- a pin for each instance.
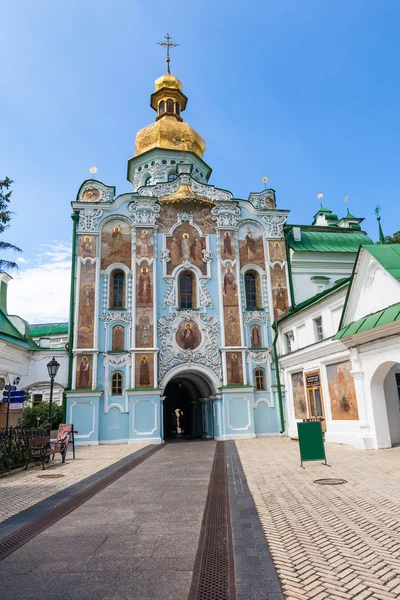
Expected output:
(213, 574)
(330, 481)
(21, 536)
(51, 475)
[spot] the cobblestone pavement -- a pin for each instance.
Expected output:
(22, 490)
(328, 542)
(137, 538)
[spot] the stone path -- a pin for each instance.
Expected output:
(19, 491)
(328, 542)
(136, 539)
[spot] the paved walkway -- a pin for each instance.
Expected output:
(19, 491)
(328, 542)
(136, 539)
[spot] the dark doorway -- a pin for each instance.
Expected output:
(182, 410)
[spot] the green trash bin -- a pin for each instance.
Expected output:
(311, 441)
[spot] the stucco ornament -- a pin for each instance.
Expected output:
(161, 190)
(170, 296)
(100, 193)
(116, 360)
(274, 225)
(205, 297)
(156, 171)
(206, 353)
(207, 256)
(88, 218)
(109, 317)
(259, 358)
(165, 255)
(226, 215)
(263, 200)
(144, 212)
(255, 315)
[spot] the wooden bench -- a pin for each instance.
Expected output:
(40, 449)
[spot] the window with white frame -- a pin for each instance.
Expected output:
(318, 329)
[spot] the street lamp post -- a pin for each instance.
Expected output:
(52, 368)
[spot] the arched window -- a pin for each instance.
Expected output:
(170, 105)
(147, 181)
(187, 290)
(117, 290)
(161, 107)
(116, 384)
(250, 286)
(118, 335)
(172, 176)
(177, 108)
(260, 379)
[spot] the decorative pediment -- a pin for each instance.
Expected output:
(95, 191)
(263, 200)
(183, 188)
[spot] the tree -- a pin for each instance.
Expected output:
(5, 218)
(30, 415)
(392, 239)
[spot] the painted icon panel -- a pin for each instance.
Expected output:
(144, 243)
(188, 336)
(116, 244)
(232, 326)
(227, 242)
(86, 305)
(201, 216)
(144, 328)
(251, 245)
(144, 370)
(118, 338)
(299, 396)
(279, 291)
(234, 367)
(342, 391)
(144, 285)
(255, 336)
(186, 245)
(84, 370)
(86, 246)
(277, 250)
(229, 287)
(90, 195)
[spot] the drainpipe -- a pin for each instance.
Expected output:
(75, 218)
(278, 379)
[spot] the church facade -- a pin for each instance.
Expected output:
(175, 287)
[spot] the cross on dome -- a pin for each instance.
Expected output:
(168, 44)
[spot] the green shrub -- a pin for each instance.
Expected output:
(30, 415)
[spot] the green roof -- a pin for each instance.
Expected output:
(328, 241)
(382, 317)
(47, 329)
(314, 299)
(388, 255)
(10, 333)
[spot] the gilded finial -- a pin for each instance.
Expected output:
(93, 171)
(320, 196)
(168, 44)
(265, 181)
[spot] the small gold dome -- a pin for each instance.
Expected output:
(169, 131)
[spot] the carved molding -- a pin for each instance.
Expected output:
(105, 192)
(205, 298)
(170, 296)
(161, 190)
(109, 317)
(88, 218)
(116, 360)
(263, 200)
(255, 315)
(226, 215)
(144, 212)
(274, 225)
(259, 358)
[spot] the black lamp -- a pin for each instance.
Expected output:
(52, 368)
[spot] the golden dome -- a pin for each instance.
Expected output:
(169, 131)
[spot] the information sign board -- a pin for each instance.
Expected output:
(311, 441)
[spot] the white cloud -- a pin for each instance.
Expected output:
(21, 260)
(40, 294)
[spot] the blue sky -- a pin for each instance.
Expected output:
(304, 92)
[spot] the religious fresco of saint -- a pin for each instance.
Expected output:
(299, 396)
(279, 291)
(255, 336)
(86, 246)
(144, 328)
(227, 245)
(144, 243)
(234, 368)
(86, 305)
(90, 195)
(144, 370)
(118, 338)
(342, 392)
(186, 244)
(232, 326)
(229, 287)
(115, 244)
(144, 285)
(84, 370)
(188, 336)
(251, 245)
(277, 251)
(168, 216)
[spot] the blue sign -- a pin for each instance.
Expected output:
(10, 387)
(17, 396)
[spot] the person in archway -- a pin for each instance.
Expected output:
(178, 421)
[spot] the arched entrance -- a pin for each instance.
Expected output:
(187, 406)
(385, 393)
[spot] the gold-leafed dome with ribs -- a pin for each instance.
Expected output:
(169, 131)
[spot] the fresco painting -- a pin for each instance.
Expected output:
(86, 246)
(277, 251)
(251, 245)
(229, 287)
(144, 328)
(255, 336)
(188, 336)
(144, 243)
(144, 285)
(84, 370)
(227, 241)
(144, 370)
(279, 291)
(342, 392)
(116, 244)
(118, 338)
(234, 368)
(186, 245)
(168, 216)
(86, 305)
(232, 326)
(90, 195)
(299, 396)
